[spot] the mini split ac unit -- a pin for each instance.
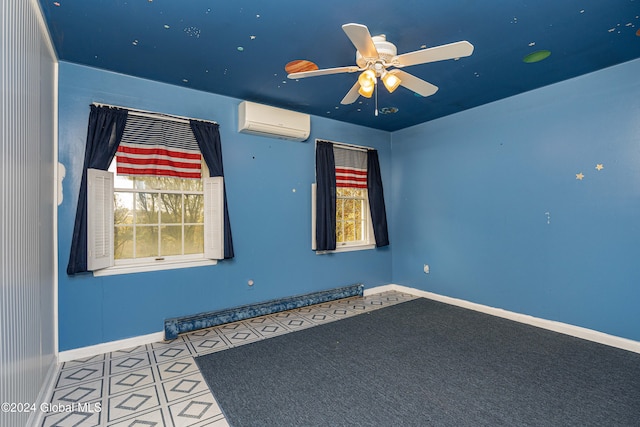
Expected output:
(263, 120)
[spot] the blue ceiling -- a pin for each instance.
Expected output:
(240, 48)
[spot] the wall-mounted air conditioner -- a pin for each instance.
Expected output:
(263, 120)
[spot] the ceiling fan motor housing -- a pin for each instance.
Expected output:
(386, 51)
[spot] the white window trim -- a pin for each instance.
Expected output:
(155, 266)
(369, 243)
(350, 248)
(214, 230)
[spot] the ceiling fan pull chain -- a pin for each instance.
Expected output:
(376, 112)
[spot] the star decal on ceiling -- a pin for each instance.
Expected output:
(580, 176)
(599, 166)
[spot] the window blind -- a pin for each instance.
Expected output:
(155, 147)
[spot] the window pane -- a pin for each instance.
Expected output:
(171, 240)
(122, 208)
(358, 209)
(123, 182)
(146, 241)
(194, 209)
(194, 184)
(349, 209)
(339, 233)
(123, 242)
(343, 192)
(147, 208)
(193, 239)
(171, 209)
(358, 231)
(159, 183)
(349, 231)
(339, 209)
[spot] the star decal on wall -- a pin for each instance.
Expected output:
(599, 166)
(580, 176)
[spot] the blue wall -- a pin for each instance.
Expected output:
(487, 197)
(490, 200)
(270, 222)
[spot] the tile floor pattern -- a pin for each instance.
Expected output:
(159, 384)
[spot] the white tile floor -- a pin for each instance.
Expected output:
(160, 385)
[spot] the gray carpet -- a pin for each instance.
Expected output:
(425, 363)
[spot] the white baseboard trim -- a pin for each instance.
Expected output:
(46, 392)
(94, 350)
(563, 328)
(379, 289)
(552, 325)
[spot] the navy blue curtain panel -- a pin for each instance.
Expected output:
(208, 137)
(325, 197)
(376, 199)
(106, 126)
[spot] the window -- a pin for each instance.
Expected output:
(152, 209)
(353, 225)
(157, 218)
(160, 222)
(151, 223)
(353, 220)
(352, 217)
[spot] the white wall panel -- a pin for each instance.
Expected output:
(27, 277)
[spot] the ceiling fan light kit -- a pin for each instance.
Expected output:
(375, 55)
(391, 81)
(367, 82)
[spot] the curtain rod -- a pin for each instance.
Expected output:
(138, 112)
(347, 146)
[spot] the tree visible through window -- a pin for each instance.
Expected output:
(157, 217)
(353, 227)
(351, 215)
(156, 207)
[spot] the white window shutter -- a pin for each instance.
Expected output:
(214, 217)
(99, 219)
(313, 216)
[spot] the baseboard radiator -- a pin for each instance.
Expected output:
(179, 325)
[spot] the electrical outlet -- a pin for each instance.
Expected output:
(426, 269)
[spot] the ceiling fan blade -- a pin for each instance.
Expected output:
(325, 71)
(361, 39)
(352, 95)
(415, 84)
(433, 54)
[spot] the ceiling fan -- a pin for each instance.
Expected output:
(374, 58)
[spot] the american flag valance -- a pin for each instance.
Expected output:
(351, 167)
(156, 147)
